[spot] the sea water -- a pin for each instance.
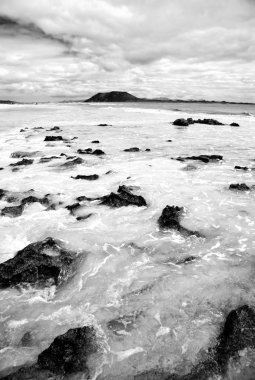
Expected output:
(171, 312)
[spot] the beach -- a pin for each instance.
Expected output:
(156, 298)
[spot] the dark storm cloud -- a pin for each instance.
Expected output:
(177, 48)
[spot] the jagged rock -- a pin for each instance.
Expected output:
(53, 138)
(92, 177)
(134, 149)
(20, 154)
(181, 122)
(239, 186)
(22, 130)
(123, 198)
(234, 125)
(41, 263)
(67, 355)
(70, 157)
(32, 199)
(241, 168)
(170, 219)
(95, 142)
(203, 157)
(15, 211)
(24, 161)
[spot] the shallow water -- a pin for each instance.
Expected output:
(172, 312)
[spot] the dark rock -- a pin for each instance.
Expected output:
(35, 128)
(32, 199)
(92, 177)
(123, 198)
(208, 122)
(67, 355)
(73, 207)
(20, 154)
(1, 168)
(147, 150)
(53, 138)
(13, 211)
(95, 142)
(22, 130)
(234, 125)
(84, 217)
(63, 154)
(25, 161)
(104, 125)
(70, 157)
(135, 149)
(169, 140)
(26, 339)
(189, 167)
(40, 263)
(239, 186)
(241, 168)
(74, 138)
(170, 219)
(98, 152)
(181, 122)
(203, 157)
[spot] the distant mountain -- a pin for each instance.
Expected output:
(114, 96)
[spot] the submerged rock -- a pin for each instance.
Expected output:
(239, 187)
(170, 219)
(41, 263)
(187, 260)
(21, 154)
(91, 177)
(13, 211)
(68, 354)
(53, 138)
(25, 161)
(134, 149)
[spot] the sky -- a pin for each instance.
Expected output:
(54, 50)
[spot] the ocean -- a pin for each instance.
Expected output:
(150, 309)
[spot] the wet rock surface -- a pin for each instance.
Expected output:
(71, 163)
(234, 125)
(185, 122)
(124, 197)
(67, 355)
(41, 263)
(170, 219)
(15, 211)
(245, 168)
(96, 152)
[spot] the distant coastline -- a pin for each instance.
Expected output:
(125, 97)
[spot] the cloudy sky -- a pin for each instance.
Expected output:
(71, 49)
